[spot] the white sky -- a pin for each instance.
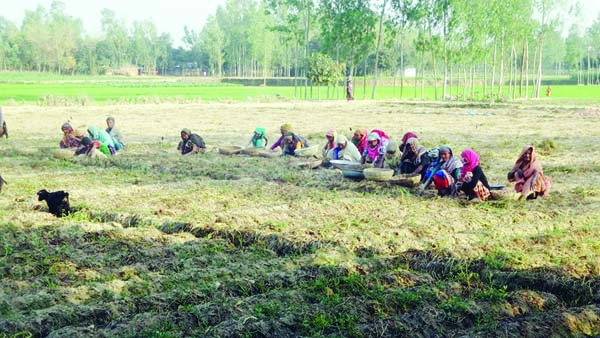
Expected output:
(171, 15)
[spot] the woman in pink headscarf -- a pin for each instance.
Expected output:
(472, 180)
(359, 139)
(385, 139)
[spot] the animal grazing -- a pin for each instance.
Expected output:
(2, 183)
(58, 202)
(4, 130)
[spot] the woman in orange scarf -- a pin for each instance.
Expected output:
(528, 175)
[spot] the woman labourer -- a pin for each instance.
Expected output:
(279, 143)
(405, 138)
(359, 139)
(411, 160)
(93, 148)
(71, 137)
(374, 152)
(472, 180)
(190, 143)
(345, 150)
(293, 142)
(392, 157)
(97, 134)
(383, 137)
(115, 133)
(445, 174)
(330, 144)
(259, 139)
(528, 175)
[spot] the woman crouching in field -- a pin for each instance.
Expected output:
(190, 143)
(115, 133)
(444, 174)
(344, 150)
(375, 151)
(71, 137)
(97, 134)
(292, 143)
(528, 175)
(472, 181)
(259, 138)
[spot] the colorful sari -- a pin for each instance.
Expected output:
(528, 176)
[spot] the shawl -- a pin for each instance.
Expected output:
(452, 164)
(349, 153)
(412, 151)
(405, 138)
(533, 179)
(470, 161)
(373, 152)
(101, 135)
(361, 141)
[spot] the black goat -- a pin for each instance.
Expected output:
(58, 202)
(4, 130)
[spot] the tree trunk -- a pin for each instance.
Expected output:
(501, 80)
(379, 33)
(494, 68)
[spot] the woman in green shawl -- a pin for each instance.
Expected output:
(103, 137)
(259, 139)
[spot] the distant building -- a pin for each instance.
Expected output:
(410, 72)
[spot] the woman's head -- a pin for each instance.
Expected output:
(391, 148)
(330, 135)
(185, 133)
(66, 128)
(286, 127)
(342, 141)
(445, 153)
(527, 154)
(110, 122)
(288, 137)
(259, 132)
(359, 133)
(373, 140)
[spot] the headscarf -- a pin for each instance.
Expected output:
(66, 127)
(331, 133)
(452, 163)
(392, 146)
(472, 161)
(349, 153)
(286, 127)
(373, 152)
(110, 118)
(412, 151)
(533, 163)
(186, 131)
(101, 135)
(260, 131)
(360, 143)
(288, 135)
(405, 138)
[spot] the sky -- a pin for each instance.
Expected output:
(170, 16)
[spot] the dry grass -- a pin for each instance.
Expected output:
(148, 220)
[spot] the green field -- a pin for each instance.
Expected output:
(47, 89)
(233, 246)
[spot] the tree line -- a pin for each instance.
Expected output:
(463, 48)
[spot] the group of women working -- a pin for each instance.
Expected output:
(449, 174)
(98, 142)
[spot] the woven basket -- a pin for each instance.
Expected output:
(340, 164)
(310, 164)
(64, 154)
(378, 174)
(353, 173)
(405, 181)
(307, 152)
(229, 150)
